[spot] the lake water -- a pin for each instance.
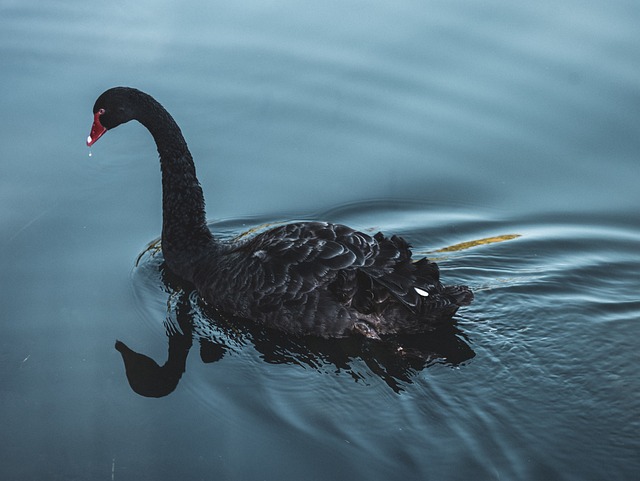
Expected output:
(444, 122)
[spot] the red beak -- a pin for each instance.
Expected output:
(97, 130)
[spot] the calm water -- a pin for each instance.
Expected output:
(445, 122)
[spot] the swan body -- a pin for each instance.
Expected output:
(304, 278)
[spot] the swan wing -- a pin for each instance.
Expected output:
(318, 277)
(360, 270)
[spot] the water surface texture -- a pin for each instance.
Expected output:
(446, 122)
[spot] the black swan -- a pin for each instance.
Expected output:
(304, 278)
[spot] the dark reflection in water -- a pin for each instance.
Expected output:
(145, 376)
(395, 360)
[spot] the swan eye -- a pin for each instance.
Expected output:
(101, 111)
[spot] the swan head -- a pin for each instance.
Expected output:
(112, 108)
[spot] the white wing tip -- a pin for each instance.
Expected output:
(421, 292)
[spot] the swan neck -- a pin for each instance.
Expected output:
(185, 235)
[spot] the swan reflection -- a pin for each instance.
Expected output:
(395, 360)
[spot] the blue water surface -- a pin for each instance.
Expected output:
(500, 139)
